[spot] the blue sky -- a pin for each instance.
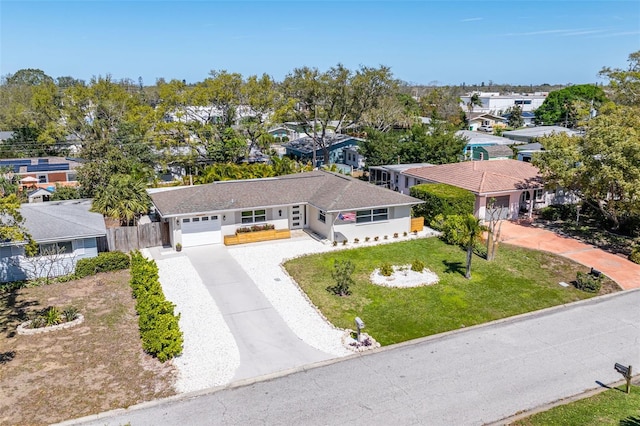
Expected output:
(448, 42)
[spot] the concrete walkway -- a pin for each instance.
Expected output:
(265, 342)
(618, 268)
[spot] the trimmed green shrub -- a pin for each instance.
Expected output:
(452, 228)
(417, 265)
(588, 282)
(386, 269)
(442, 199)
(558, 212)
(158, 325)
(108, 261)
(635, 255)
(342, 271)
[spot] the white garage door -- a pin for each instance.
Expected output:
(201, 230)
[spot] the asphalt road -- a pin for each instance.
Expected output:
(470, 377)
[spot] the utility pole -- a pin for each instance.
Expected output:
(315, 118)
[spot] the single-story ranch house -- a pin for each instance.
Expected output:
(333, 206)
(66, 231)
(511, 184)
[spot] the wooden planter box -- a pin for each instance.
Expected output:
(417, 224)
(256, 236)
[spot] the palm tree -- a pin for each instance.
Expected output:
(474, 100)
(473, 229)
(124, 199)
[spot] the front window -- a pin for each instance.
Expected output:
(42, 178)
(373, 215)
(322, 216)
(60, 247)
(253, 216)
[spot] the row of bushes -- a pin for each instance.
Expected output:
(159, 329)
(104, 262)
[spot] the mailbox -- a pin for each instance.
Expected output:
(359, 323)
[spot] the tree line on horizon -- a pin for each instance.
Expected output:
(127, 131)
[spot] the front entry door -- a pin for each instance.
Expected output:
(296, 217)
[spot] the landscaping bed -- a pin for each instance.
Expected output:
(517, 281)
(94, 366)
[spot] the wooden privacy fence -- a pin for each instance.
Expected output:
(128, 238)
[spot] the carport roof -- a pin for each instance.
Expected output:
(324, 190)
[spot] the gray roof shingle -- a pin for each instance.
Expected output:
(62, 220)
(324, 190)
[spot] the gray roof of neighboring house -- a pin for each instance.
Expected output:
(400, 167)
(306, 145)
(530, 147)
(325, 190)
(62, 220)
(477, 138)
(498, 151)
(539, 131)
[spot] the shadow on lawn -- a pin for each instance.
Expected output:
(454, 267)
(12, 312)
(5, 357)
(630, 421)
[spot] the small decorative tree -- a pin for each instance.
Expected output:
(341, 273)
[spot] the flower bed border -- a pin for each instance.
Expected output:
(24, 329)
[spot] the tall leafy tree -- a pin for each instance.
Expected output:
(326, 102)
(443, 103)
(567, 106)
(625, 83)
(30, 106)
(602, 167)
(515, 117)
(12, 223)
(117, 129)
(260, 97)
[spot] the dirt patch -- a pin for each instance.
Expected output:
(96, 366)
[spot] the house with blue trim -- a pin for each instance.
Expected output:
(302, 148)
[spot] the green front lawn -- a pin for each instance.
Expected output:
(517, 281)
(613, 407)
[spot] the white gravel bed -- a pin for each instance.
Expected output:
(210, 355)
(262, 262)
(404, 277)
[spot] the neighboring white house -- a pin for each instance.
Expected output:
(333, 206)
(495, 103)
(390, 176)
(65, 230)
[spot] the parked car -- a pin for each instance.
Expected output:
(488, 129)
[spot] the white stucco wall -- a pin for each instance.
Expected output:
(399, 221)
(14, 266)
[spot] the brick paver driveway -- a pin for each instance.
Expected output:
(618, 268)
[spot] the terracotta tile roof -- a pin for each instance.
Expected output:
(324, 190)
(482, 177)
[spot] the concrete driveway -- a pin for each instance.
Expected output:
(265, 342)
(619, 269)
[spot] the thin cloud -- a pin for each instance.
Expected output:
(471, 19)
(586, 32)
(619, 34)
(542, 32)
